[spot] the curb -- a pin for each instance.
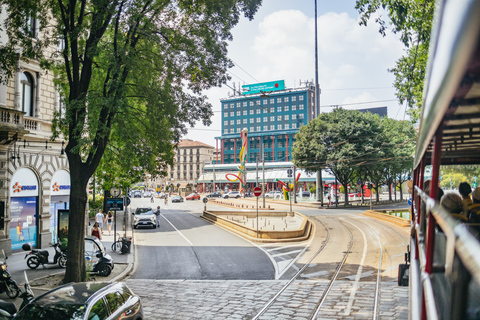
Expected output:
(383, 216)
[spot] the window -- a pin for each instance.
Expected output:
(252, 111)
(265, 101)
(285, 99)
(239, 121)
(258, 119)
(272, 127)
(244, 121)
(294, 125)
(238, 104)
(251, 103)
(258, 111)
(252, 120)
(98, 311)
(232, 130)
(225, 130)
(286, 117)
(272, 110)
(265, 128)
(272, 101)
(300, 116)
(287, 126)
(26, 94)
(272, 118)
(114, 301)
(279, 100)
(259, 128)
(191, 167)
(232, 114)
(300, 107)
(225, 106)
(225, 123)
(280, 127)
(294, 116)
(232, 122)
(225, 114)
(265, 119)
(252, 129)
(244, 112)
(285, 108)
(294, 98)
(239, 113)
(279, 109)
(294, 108)
(300, 98)
(238, 130)
(30, 26)
(245, 103)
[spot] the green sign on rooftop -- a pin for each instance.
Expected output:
(263, 87)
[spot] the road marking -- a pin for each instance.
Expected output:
(286, 253)
(285, 247)
(363, 275)
(177, 230)
(315, 274)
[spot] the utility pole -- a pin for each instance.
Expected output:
(319, 188)
(263, 184)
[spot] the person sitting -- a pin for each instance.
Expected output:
(474, 209)
(465, 190)
(452, 202)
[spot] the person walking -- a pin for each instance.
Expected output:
(100, 219)
(109, 221)
(95, 231)
(157, 214)
(166, 200)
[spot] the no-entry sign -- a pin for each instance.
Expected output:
(257, 191)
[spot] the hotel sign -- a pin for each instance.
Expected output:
(263, 87)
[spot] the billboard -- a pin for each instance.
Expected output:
(23, 223)
(263, 87)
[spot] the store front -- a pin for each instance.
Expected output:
(23, 208)
(59, 199)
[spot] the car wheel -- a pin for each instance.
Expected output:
(104, 270)
(154, 226)
(12, 290)
(226, 197)
(33, 262)
(134, 227)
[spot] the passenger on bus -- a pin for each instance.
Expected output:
(474, 209)
(465, 190)
(452, 202)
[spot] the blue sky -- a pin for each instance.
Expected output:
(279, 45)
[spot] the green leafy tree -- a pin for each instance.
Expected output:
(339, 141)
(412, 20)
(119, 62)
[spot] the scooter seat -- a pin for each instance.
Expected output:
(44, 253)
(8, 306)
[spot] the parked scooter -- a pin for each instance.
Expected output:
(40, 257)
(7, 284)
(8, 309)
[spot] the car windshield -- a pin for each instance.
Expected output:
(143, 211)
(57, 311)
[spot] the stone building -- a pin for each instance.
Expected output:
(190, 158)
(35, 180)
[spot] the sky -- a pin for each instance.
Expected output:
(279, 44)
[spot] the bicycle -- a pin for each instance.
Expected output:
(117, 245)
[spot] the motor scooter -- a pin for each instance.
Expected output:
(40, 257)
(8, 309)
(7, 284)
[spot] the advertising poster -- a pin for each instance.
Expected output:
(23, 226)
(54, 207)
(63, 227)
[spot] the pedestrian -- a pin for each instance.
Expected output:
(109, 221)
(157, 213)
(166, 200)
(95, 231)
(464, 189)
(100, 219)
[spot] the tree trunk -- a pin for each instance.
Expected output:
(345, 192)
(75, 271)
(389, 183)
(376, 191)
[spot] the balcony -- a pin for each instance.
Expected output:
(12, 123)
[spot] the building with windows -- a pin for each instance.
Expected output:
(272, 119)
(190, 158)
(35, 179)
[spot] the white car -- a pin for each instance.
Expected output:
(147, 194)
(144, 217)
(274, 195)
(232, 194)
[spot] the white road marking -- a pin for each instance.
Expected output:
(177, 230)
(315, 274)
(280, 248)
(363, 275)
(286, 253)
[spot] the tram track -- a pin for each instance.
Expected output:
(321, 289)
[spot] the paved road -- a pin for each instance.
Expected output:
(187, 247)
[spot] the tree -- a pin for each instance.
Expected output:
(411, 19)
(123, 62)
(340, 141)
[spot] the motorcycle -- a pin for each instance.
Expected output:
(40, 257)
(8, 309)
(7, 284)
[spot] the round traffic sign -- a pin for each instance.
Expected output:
(114, 192)
(205, 200)
(257, 191)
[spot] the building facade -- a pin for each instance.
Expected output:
(35, 180)
(190, 158)
(272, 119)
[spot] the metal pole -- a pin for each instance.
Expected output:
(295, 184)
(257, 215)
(370, 196)
(319, 189)
(263, 184)
(114, 225)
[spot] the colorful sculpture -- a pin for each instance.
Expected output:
(287, 188)
(242, 172)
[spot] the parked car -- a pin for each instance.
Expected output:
(304, 194)
(274, 195)
(232, 194)
(144, 217)
(85, 300)
(177, 199)
(193, 196)
(137, 194)
(214, 195)
(97, 261)
(147, 194)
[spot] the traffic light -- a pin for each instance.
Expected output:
(265, 188)
(289, 173)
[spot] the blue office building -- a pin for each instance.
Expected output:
(272, 118)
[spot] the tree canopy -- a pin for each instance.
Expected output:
(134, 69)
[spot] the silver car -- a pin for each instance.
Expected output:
(144, 217)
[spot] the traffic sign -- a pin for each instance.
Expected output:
(115, 204)
(257, 191)
(114, 192)
(205, 200)
(127, 201)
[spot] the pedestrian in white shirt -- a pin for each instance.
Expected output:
(100, 219)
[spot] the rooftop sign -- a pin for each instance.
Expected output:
(263, 87)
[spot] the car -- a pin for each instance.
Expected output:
(304, 194)
(147, 194)
(144, 217)
(137, 194)
(193, 196)
(85, 300)
(214, 195)
(97, 261)
(232, 194)
(274, 195)
(177, 199)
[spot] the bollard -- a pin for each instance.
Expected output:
(273, 227)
